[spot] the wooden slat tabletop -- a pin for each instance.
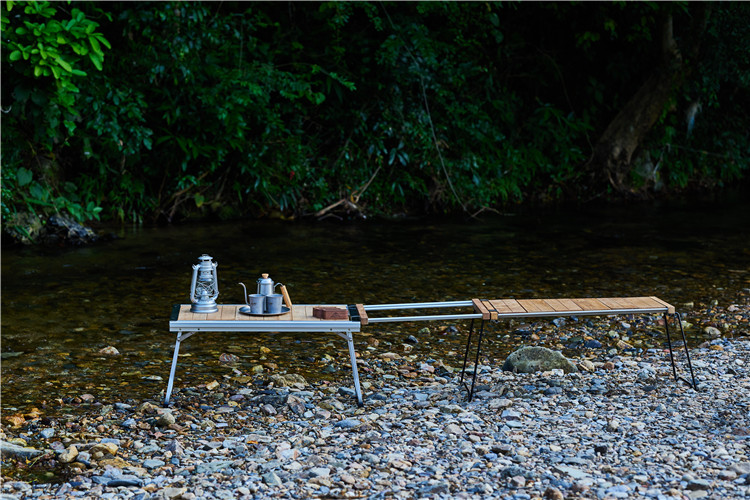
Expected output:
(495, 308)
(231, 312)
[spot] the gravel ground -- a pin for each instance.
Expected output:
(620, 427)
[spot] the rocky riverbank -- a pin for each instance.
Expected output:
(54, 231)
(620, 427)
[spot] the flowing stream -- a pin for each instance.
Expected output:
(61, 307)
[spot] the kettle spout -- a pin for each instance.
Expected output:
(244, 295)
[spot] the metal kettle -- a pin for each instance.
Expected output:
(265, 285)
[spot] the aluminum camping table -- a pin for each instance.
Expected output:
(229, 319)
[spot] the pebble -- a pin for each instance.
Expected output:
(109, 351)
(348, 423)
(165, 419)
(596, 433)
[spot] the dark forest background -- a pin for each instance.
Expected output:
(156, 111)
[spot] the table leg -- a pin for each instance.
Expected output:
(669, 344)
(466, 354)
(172, 371)
(687, 353)
(355, 373)
(678, 319)
(476, 361)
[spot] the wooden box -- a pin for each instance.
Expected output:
(329, 312)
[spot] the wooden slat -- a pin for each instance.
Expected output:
(629, 302)
(300, 314)
(670, 307)
(309, 314)
(590, 304)
(228, 313)
(610, 302)
(501, 306)
(555, 305)
(513, 305)
(559, 306)
(570, 305)
(184, 311)
(646, 302)
(186, 315)
(480, 308)
(535, 305)
(635, 302)
(363, 320)
(492, 310)
(214, 316)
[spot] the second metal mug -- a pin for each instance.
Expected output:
(273, 303)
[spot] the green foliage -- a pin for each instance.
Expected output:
(45, 51)
(716, 152)
(234, 108)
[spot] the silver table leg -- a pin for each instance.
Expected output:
(355, 374)
(180, 338)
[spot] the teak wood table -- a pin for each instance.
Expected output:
(229, 319)
(538, 308)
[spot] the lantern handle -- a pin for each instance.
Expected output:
(216, 281)
(193, 282)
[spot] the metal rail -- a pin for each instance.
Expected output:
(421, 305)
(434, 317)
(418, 305)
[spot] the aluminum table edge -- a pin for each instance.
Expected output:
(263, 326)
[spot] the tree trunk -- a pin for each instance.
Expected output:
(616, 148)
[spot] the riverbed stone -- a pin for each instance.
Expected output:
(18, 451)
(67, 456)
(348, 423)
(532, 359)
(289, 380)
(153, 463)
(712, 331)
(165, 419)
(271, 479)
(100, 450)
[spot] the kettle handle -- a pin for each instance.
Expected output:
(286, 297)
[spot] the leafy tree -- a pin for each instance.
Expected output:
(46, 51)
(231, 108)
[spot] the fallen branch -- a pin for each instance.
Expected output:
(353, 199)
(475, 214)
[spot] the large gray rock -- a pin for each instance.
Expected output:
(532, 359)
(18, 451)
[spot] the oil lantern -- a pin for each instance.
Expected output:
(204, 288)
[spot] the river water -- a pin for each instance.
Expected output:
(61, 307)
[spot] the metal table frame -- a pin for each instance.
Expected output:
(358, 317)
(666, 311)
(187, 328)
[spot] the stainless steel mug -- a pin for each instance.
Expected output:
(273, 303)
(257, 303)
